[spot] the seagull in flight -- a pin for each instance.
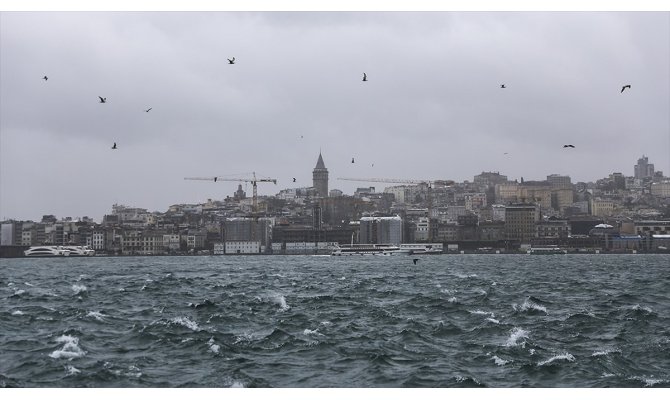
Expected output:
(293, 179)
(114, 147)
(352, 160)
(46, 78)
(231, 61)
(502, 86)
(148, 109)
(215, 178)
(103, 99)
(569, 145)
(365, 77)
(624, 88)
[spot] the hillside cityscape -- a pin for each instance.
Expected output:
(493, 213)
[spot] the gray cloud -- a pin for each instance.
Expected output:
(432, 107)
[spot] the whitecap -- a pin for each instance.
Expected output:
(237, 384)
(19, 292)
(638, 307)
(565, 356)
(495, 321)
(480, 312)
(96, 314)
(312, 332)
(464, 276)
(499, 361)
(184, 321)
(17, 312)
(214, 348)
(281, 301)
(326, 323)
(604, 352)
(78, 289)
(515, 335)
(343, 278)
(28, 284)
(71, 370)
(529, 305)
(70, 348)
(452, 300)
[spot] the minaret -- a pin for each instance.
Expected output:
(320, 178)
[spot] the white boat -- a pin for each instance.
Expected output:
(422, 248)
(47, 251)
(78, 251)
(368, 249)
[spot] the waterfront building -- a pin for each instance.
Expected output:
(520, 222)
(380, 230)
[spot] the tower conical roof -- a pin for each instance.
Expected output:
(319, 163)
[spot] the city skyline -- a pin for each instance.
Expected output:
(432, 108)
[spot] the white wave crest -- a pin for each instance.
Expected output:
(28, 284)
(499, 361)
(70, 348)
(565, 356)
(19, 292)
(96, 314)
(464, 276)
(495, 321)
(515, 335)
(184, 321)
(638, 307)
(312, 332)
(71, 370)
(17, 312)
(78, 289)
(604, 352)
(480, 312)
(237, 384)
(452, 300)
(529, 305)
(281, 301)
(214, 348)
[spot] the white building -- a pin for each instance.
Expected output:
(380, 230)
(243, 247)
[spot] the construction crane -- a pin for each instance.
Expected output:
(253, 182)
(429, 182)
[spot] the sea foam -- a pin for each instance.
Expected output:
(515, 335)
(70, 348)
(214, 348)
(96, 314)
(78, 289)
(529, 305)
(565, 356)
(184, 321)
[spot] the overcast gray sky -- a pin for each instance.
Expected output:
(431, 109)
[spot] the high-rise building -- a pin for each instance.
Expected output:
(643, 169)
(381, 230)
(320, 178)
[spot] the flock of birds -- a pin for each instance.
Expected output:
(231, 61)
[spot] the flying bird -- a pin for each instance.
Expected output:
(231, 61)
(365, 77)
(148, 109)
(114, 147)
(103, 99)
(293, 179)
(352, 160)
(624, 88)
(416, 260)
(569, 145)
(45, 78)
(215, 178)
(502, 86)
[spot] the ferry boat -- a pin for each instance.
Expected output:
(47, 251)
(59, 251)
(368, 249)
(84, 251)
(422, 248)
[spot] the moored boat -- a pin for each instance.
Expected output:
(368, 249)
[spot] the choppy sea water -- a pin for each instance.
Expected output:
(301, 321)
